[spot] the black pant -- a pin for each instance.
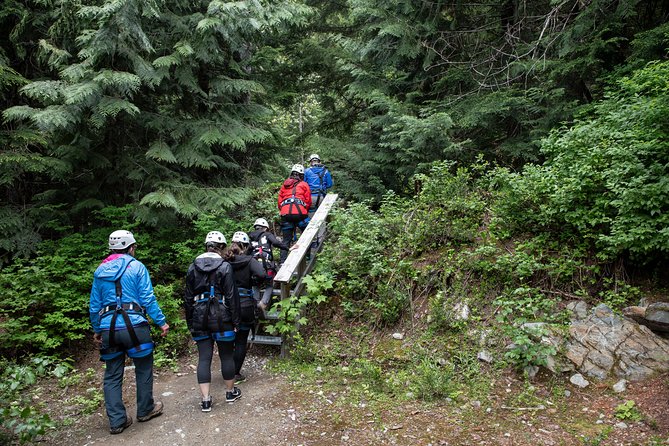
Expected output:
(205, 348)
(241, 340)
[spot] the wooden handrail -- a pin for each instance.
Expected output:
(296, 261)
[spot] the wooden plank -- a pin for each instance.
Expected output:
(295, 259)
(267, 340)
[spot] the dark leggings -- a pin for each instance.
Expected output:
(205, 348)
(241, 338)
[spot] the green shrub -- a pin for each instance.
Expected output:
(19, 419)
(606, 178)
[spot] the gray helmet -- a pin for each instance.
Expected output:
(240, 237)
(215, 237)
(261, 222)
(121, 239)
(299, 168)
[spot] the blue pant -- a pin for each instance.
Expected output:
(289, 233)
(113, 380)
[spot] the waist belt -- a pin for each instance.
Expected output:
(205, 296)
(245, 292)
(292, 200)
(129, 307)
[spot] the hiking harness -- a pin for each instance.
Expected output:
(138, 349)
(248, 294)
(320, 193)
(265, 257)
(294, 201)
(211, 299)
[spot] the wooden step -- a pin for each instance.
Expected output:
(272, 316)
(268, 340)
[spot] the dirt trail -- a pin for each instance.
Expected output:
(255, 419)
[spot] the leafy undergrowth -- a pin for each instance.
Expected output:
(370, 388)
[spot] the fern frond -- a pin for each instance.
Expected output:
(166, 61)
(109, 107)
(126, 83)
(160, 199)
(160, 151)
(44, 91)
(18, 113)
(55, 57)
(226, 86)
(83, 94)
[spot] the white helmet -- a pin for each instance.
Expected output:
(299, 168)
(215, 237)
(314, 156)
(240, 237)
(120, 239)
(261, 222)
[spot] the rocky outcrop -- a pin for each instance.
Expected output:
(655, 316)
(603, 344)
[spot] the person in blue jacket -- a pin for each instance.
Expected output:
(121, 303)
(319, 179)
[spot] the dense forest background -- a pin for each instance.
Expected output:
(515, 151)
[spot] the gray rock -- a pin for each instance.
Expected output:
(579, 309)
(658, 313)
(461, 311)
(531, 371)
(654, 316)
(578, 380)
(621, 425)
(398, 336)
(620, 386)
(605, 344)
(484, 356)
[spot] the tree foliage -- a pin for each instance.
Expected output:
(153, 103)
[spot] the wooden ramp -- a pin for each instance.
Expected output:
(300, 262)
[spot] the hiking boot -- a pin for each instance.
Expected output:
(121, 428)
(233, 395)
(157, 410)
(239, 378)
(206, 405)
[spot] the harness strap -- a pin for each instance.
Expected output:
(294, 201)
(245, 292)
(213, 300)
(205, 296)
(135, 307)
(128, 323)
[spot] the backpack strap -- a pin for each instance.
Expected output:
(212, 301)
(136, 345)
(321, 177)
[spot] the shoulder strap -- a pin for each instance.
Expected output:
(117, 283)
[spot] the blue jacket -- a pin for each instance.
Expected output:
(318, 178)
(136, 288)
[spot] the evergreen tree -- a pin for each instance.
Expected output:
(156, 103)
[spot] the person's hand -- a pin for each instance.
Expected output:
(295, 246)
(164, 329)
(97, 339)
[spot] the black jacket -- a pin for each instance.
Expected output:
(266, 240)
(248, 271)
(211, 267)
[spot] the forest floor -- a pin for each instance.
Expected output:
(277, 410)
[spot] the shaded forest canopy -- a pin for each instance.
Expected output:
(473, 123)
